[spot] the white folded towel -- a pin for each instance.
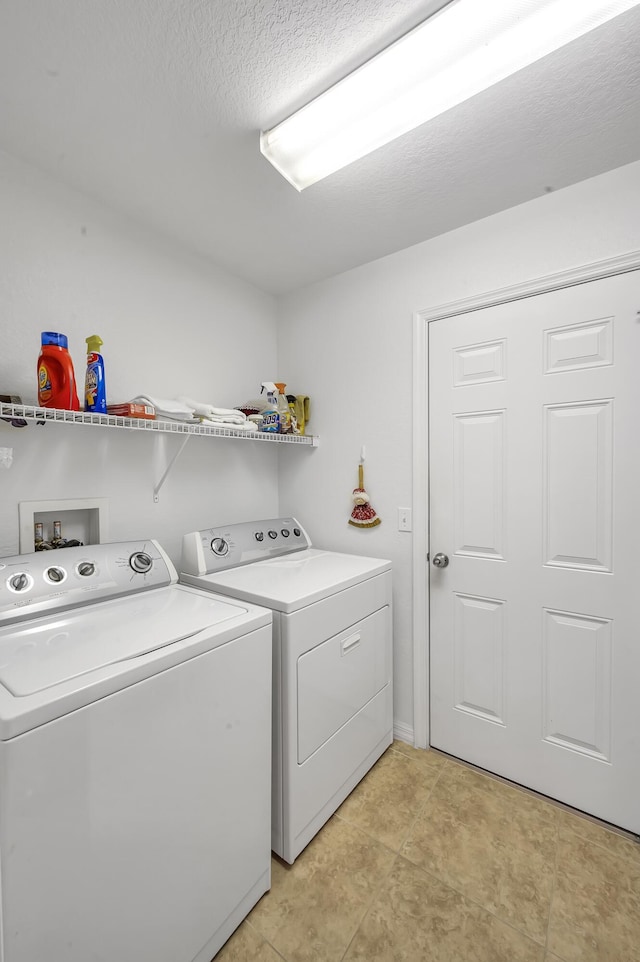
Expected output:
(167, 407)
(204, 410)
(245, 426)
(229, 420)
(187, 410)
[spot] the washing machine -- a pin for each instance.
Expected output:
(332, 660)
(135, 772)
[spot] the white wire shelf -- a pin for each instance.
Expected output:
(29, 413)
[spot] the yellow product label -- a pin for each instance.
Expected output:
(44, 383)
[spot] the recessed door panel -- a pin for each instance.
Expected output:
(479, 657)
(578, 510)
(577, 682)
(479, 484)
(579, 346)
(479, 363)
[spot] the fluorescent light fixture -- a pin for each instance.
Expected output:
(463, 49)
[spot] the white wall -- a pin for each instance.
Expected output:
(171, 324)
(347, 342)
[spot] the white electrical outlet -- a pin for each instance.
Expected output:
(404, 519)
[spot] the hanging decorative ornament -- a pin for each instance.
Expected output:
(363, 515)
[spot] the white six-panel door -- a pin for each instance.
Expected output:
(534, 497)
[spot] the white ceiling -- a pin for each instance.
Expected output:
(154, 107)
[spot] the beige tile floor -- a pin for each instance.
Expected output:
(430, 860)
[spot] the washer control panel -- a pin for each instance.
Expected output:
(230, 546)
(48, 580)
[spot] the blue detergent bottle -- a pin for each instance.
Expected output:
(271, 417)
(95, 395)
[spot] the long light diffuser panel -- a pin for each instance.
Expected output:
(463, 49)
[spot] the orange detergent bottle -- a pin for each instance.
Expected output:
(56, 380)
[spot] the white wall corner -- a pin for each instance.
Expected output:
(403, 733)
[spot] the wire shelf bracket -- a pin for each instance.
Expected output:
(156, 490)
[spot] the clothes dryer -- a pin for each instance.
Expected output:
(332, 660)
(134, 758)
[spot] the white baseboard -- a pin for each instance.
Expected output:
(403, 732)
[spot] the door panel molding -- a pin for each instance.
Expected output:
(479, 363)
(479, 640)
(577, 708)
(579, 347)
(578, 457)
(582, 274)
(479, 533)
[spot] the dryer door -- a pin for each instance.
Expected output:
(338, 677)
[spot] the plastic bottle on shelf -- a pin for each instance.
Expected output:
(95, 396)
(270, 414)
(56, 380)
(283, 408)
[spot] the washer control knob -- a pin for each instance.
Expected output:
(273, 534)
(259, 535)
(297, 532)
(19, 581)
(285, 532)
(141, 562)
(55, 574)
(220, 547)
(86, 569)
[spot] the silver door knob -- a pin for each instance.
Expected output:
(440, 560)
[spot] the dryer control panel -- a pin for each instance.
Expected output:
(232, 545)
(45, 581)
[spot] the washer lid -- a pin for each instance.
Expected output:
(40, 654)
(292, 581)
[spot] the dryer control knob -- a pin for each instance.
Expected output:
(259, 535)
(86, 568)
(285, 532)
(220, 547)
(141, 562)
(297, 532)
(273, 534)
(20, 581)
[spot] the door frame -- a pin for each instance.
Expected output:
(593, 271)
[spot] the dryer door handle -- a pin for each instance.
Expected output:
(349, 644)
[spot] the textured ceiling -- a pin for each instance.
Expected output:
(154, 107)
